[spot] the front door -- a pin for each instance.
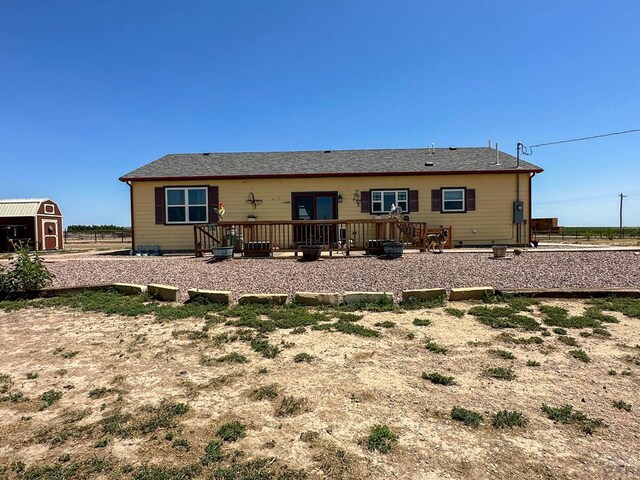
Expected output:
(315, 206)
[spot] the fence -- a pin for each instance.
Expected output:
(262, 238)
(97, 236)
(587, 233)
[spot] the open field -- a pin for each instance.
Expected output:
(196, 391)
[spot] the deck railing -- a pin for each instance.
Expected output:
(265, 237)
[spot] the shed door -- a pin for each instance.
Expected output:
(50, 233)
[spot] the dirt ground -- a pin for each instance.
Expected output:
(351, 384)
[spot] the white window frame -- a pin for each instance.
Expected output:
(396, 202)
(444, 208)
(186, 205)
(49, 209)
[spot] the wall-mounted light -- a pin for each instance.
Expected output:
(339, 198)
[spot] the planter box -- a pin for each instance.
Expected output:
(311, 252)
(499, 251)
(222, 253)
(257, 249)
(375, 247)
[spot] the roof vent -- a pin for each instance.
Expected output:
(206, 154)
(428, 164)
(327, 151)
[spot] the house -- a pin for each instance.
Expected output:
(34, 221)
(482, 193)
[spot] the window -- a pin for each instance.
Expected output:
(381, 200)
(186, 205)
(453, 200)
(48, 208)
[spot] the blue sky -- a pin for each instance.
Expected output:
(91, 90)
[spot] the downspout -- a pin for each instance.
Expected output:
(519, 225)
(530, 202)
(131, 202)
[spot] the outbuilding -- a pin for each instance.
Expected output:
(34, 221)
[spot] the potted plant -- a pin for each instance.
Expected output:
(393, 249)
(222, 253)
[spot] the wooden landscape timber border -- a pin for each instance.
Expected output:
(329, 298)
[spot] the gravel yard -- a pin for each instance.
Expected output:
(532, 269)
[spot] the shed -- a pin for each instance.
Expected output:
(36, 221)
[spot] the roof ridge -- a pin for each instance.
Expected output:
(245, 152)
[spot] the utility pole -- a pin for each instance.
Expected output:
(621, 230)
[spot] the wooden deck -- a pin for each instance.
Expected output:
(261, 239)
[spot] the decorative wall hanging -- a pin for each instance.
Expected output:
(253, 200)
(356, 197)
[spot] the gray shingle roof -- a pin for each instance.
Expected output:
(329, 163)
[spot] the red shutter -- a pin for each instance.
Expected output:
(471, 199)
(436, 200)
(413, 201)
(213, 204)
(159, 205)
(365, 202)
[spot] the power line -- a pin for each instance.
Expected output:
(585, 138)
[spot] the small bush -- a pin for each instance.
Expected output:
(580, 355)
(213, 452)
(232, 431)
(233, 357)
(49, 398)
(303, 357)
(262, 346)
(503, 317)
(568, 340)
(435, 348)
(559, 331)
(181, 443)
(421, 322)
(603, 332)
(503, 354)
(505, 418)
(468, 417)
(381, 438)
(266, 391)
(533, 363)
(348, 328)
(455, 312)
(438, 379)
(348, 317)
(417, 304)
(627, 306)
(619, 404)
(566, 414)
(385, 324)
(25, 273)
(32, 376)
(500, 373)
(509, 338)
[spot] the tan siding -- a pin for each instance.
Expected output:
(492, 219)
